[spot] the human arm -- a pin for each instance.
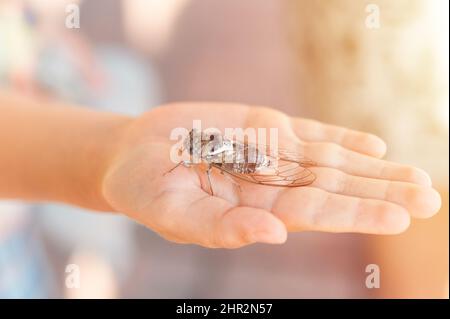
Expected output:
(108, 162)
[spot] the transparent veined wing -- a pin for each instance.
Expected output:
(285, 168)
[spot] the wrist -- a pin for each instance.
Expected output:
(99, 153)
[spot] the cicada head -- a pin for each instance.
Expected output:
(193, 142)
(202, 144)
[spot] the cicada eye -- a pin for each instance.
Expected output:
(211, 137)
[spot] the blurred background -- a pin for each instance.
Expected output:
(378, 66)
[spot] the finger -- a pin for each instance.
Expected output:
(307, 208)
(335, 156)
(314, 209)
(214, 222)
(420, 201)
(314, 131)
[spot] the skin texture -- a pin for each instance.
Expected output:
(108, 162)
(355, 191)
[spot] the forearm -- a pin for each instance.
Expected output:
(55, 152)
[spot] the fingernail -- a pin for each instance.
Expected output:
(269, 237)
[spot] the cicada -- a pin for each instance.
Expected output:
(246, 161)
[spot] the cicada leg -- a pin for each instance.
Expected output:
(208, 173)
(184, 163)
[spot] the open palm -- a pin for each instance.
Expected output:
(354, 191)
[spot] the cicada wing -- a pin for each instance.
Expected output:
(287, 177)
(285, 168)
(285, 155)
(276, 153)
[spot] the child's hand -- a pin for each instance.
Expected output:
(355, 191)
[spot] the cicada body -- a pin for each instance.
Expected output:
(248, 162)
